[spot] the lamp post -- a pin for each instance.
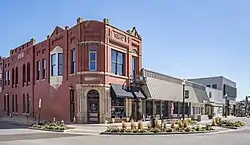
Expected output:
(183, 99)
(225, 112)
(246, 105)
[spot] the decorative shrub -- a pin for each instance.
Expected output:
(140, 125)
(173, 125)
(124, 126)
(158, 124)
(218, 120)
(186, 124)
(169, 130)
(198, 128)
(214, 122)
(149, 125)
(132, 124)
(188, 129)
(180, 124)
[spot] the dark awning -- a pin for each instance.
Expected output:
(139, 95)
(121, 91)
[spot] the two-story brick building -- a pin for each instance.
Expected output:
(81, 74)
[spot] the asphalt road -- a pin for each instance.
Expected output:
(239, 137)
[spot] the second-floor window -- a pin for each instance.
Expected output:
(13, 77)
(28, 72)
(53, 65)
(134, 66)
(43, 68)
(60, 64)
(117, 62)
(92, 60)
(37, 70)
(73, 61)
(8, 78)
(16, 75)
(24, 74)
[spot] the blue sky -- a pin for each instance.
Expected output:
(182, 38)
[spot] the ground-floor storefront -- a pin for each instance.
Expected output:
(96, 104)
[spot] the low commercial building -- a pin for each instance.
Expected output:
(163, 90)
(223, 89)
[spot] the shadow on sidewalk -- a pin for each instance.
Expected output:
(12, 125)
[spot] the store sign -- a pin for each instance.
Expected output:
(20, 55)
(119, 36)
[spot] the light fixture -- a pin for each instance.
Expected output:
(184, 82)
(71, 88)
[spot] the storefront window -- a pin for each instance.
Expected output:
(118, 107)
(149, 107)
(165, 109)
(158, 107)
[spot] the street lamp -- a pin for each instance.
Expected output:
(225, 112)
(183, 99)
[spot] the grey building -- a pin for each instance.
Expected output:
(163, 90)
(222, 87)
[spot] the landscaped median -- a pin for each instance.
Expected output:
(158, 128)
(227, 124)
(50, 126)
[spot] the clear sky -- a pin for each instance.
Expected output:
(182, 38)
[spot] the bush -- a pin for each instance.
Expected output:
(140, 125)
(169, 130)
(124, 126)
(132, 124)
(173, 125)
(214, 122)
(188, 129)
(180, 125)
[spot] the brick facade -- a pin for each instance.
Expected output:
(54, 91)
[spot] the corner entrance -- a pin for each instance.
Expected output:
(93, 106)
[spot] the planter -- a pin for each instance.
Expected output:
(158, 133)
(46, 129)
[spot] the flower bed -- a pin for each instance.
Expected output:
(50, 126)
(156, 128)
(227, 124)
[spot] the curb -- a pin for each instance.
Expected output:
(160, 133)
(34, 128)
(230, 127)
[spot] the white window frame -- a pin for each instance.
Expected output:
(93, 51)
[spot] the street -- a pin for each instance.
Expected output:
(31, 137)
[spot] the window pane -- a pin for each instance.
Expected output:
(92, 55)
(74, 54)
(119, 69)
(53, 59)
(92, 66)
(73, 68)
(60, 58)
(53, 70)
(113, 55)
(38, 65)
(113, 67)
(60, 70)
(120, 58)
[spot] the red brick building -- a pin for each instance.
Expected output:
(80, 74)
